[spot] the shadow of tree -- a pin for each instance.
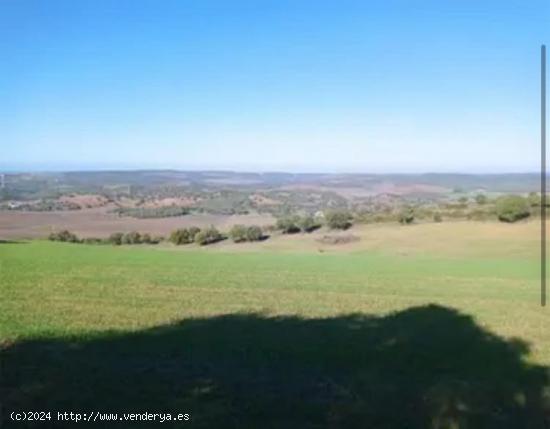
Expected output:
(425, 367)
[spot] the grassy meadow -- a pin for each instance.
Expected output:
(430, 325)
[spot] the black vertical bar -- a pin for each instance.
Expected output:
(543, 175)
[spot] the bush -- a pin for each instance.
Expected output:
(193, 231)
(116, 238)
(512, 208)
(308, 224)
(133, 237)
(406, 216)
(208, 236)
(238, 233)
(64, 235)
(254, 233)
(288, 224)
(338, 219)
(183, 236)
(438, 218)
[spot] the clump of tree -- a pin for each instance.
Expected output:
(406, 216)
(288, 224)
(241, 233)
(133, 237)
(116, 238)
(295, 223)
(208, 236)
(184, 235)
(512, 208)
(338, 219)
(64, 235)
(308, 223)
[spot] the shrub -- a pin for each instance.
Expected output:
(288, 224)
(182, 236)
(438, 218)
(512, 208)
(208, 236)
(254, 233)
(133, 237)
(338, 219)
(238, 233)
(406, 216)
(193, 231)
(308, 224)
(116, 238)
(146, 238)
(64, 235)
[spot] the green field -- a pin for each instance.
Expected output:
(428, 328)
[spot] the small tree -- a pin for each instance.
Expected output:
(238, 233)
(288, 224)
(512, 208)
(254, 233)
(146, 238)
(208, 236)
(338, 219)
(64, 235)
(406, 216)
(181, 236)
(133, 237)
(307, 224)
(193, 230)
(116, 238)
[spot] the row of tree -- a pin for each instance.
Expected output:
(196, 235)
(116, 238)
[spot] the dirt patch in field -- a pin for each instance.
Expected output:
(170, 202)
(338, 239)
(85, 201)
(99, 222)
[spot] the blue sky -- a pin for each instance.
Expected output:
(366, 86)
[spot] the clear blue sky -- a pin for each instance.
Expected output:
(369, 86)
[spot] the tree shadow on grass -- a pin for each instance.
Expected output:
(425, 367)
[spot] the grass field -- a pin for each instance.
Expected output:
(435, 325)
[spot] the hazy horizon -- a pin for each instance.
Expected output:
(244, 170)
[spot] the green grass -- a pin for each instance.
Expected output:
(369, 338)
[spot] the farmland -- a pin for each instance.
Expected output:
(440, 322)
